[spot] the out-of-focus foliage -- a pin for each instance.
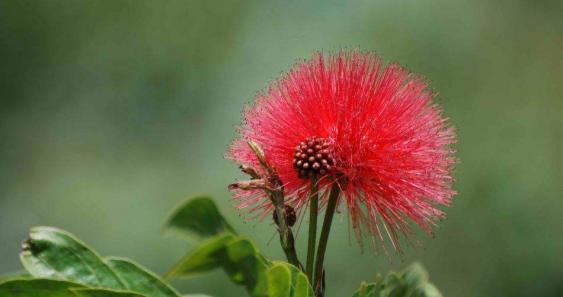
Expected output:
(412, 282)
(113, 111)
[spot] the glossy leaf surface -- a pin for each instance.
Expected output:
(138, 279)
(37, 287)
(54, 253)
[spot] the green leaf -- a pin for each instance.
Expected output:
(285, 280)
(279, 281)
(138, 279)
(198, 217)
(246, 266)
(302, 286)
(37, 287)
(87, 292)
(411, 282)
(203, 258)
(237, 256)
(53, 253)
(41, 287)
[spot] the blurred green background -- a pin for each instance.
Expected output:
(113, 112)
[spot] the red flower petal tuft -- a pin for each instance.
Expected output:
(389, 143)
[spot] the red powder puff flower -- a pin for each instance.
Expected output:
(347, 118)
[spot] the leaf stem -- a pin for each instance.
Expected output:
(313, 211)
(325, 231)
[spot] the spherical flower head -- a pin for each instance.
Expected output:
(374, 130)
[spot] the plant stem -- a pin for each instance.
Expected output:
(313, 211)
(323, 241)
(286, 235)
(275, 193)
